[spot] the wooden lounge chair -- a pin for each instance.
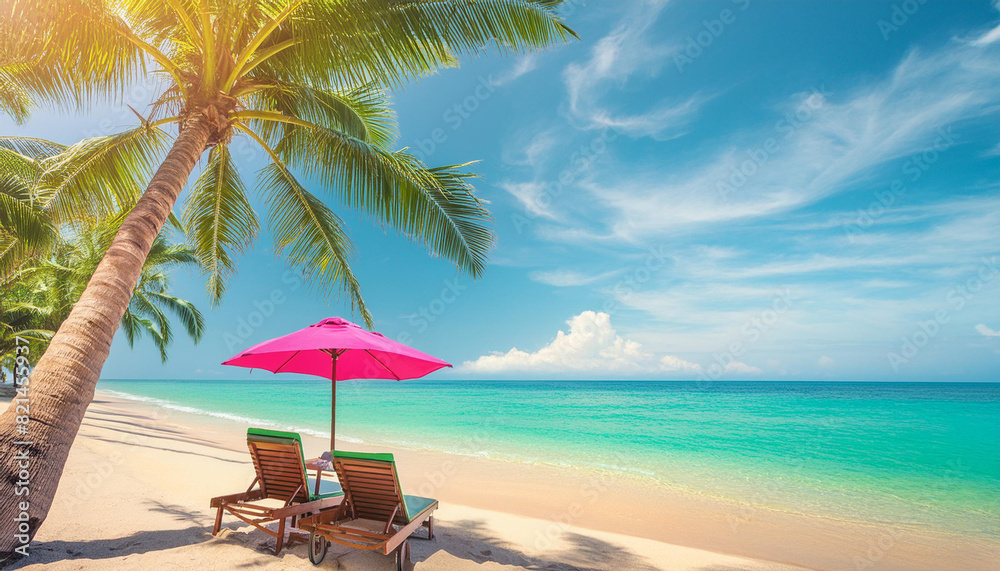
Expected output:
(284, 484)
(375, 514)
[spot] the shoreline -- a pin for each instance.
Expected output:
(772, 496)
(555, 502)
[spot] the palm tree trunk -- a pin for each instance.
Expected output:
(62, 384)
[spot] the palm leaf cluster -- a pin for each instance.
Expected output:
(306, 81)
(40, 295)
(50, 246)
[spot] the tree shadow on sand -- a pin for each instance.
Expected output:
(173, 450)
(580, 552)
(97, 549)
(180, 513)
(148, 428)
(138, 542)
(469, 540)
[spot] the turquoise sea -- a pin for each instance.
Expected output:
(913, 454)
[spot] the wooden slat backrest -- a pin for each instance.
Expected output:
(372, 488)
(280, 470)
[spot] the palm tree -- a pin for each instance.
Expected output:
(42, 292)
(305, 80)
(27, 227)
(45, 262)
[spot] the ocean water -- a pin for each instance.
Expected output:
(914, 454)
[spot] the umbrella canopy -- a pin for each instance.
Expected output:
(338, 350)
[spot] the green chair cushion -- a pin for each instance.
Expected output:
(416, 504)
(377, 456)
(327, 489)
(278, 437)
(274, 434)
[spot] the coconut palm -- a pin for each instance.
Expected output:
(305, 81)
(14, 99)
(45, 263)
(42, 292)
(26, 225)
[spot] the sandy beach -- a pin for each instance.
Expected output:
(564, 285)
(136, 489)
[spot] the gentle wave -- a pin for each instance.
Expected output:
(252, 421)
(748, 452)
(408, 444)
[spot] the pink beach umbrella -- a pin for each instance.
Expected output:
(338, 350)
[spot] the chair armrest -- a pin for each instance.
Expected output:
(234, 498)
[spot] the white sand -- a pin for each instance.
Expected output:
(137, 485)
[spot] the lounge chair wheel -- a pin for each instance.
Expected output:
(317, 548)
(403, 562)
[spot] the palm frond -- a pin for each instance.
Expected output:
(219, 219)
(388, 42)
(75, 49)
(25, 227)
(153, 321)
(131, 327)
(102, 175)
(189, 315)
(14, 98)
(31, 147)
(435, 207)
(29, 225)
(362, 113)
(310, 236)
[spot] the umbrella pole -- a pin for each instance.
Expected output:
(333, 405)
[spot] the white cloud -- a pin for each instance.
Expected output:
(533, 197)
(738, 368)
(851, 293)
(614, 59)
(983, 330)
(879, 283)
(591, 345)
(676, 364)
(568, 278)
(990, 36)
(531, 149)
(524, 64)
(840, 140)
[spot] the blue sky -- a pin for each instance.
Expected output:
(713, 190)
